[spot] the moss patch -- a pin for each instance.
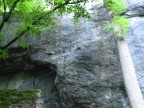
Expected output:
(18, 98)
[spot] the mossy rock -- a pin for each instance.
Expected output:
(18, 98)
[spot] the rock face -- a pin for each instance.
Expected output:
(31, 76)
(89, 76)
(135, 8)
(135, 37)
(20, 99)
(84, 58)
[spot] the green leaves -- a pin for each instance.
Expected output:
(24, 45)
(33, 16)
(79, 11)
(116, 6)
(119, 23)
(122, 23)
(3, 53)
(2, 38)
(58, 2)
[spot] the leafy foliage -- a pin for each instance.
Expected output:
(4, 53)
(33, 16)
(116, 6)
(120, 23)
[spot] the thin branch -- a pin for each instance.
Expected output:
(4, 8)
(6, 18)
(57, 7)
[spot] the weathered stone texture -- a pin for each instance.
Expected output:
(86, 60)
(135, 8)
(135, 36)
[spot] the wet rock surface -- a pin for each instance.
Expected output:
(85, 59)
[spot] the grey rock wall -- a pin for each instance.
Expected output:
(135, 8)
(135, 37)
(89, 76)
(86, 62)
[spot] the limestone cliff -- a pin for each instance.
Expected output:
(75, 66)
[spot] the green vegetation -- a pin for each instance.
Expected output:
(120, 24)
(31, 17)
(4, 53)
(17, 98)
(116, 6)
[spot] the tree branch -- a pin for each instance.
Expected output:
(6, 18)
(4, 8)
(16, 38)
(34, 23)
(57, 7)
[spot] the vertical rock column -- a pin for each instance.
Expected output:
(89, 72)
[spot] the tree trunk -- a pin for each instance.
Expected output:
(129, 75)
